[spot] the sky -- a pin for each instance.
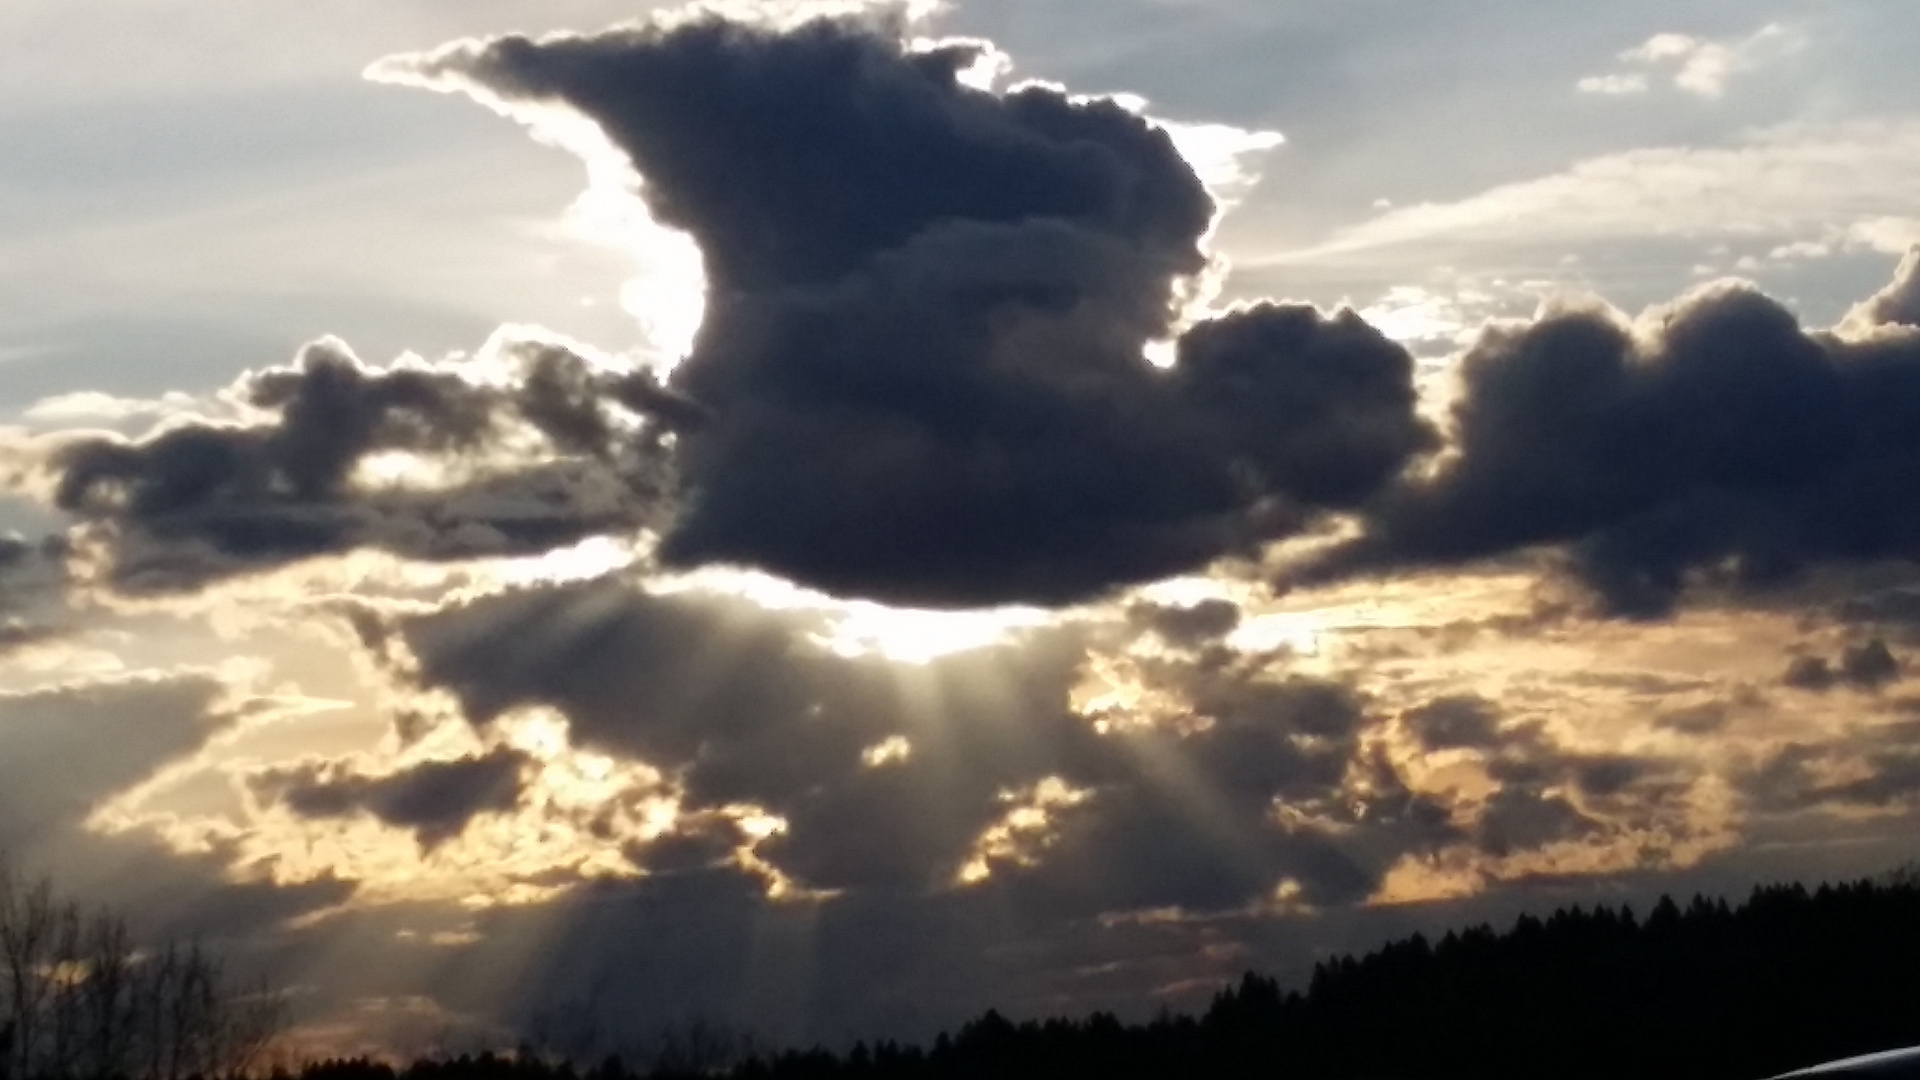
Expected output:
(564, 518)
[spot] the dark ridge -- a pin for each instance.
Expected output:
(1705, 991)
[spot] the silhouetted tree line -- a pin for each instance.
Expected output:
(80, 998)
(1706, 990)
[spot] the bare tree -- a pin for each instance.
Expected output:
(26, 931)
(79, 999)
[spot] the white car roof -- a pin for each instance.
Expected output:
(1891, 1063)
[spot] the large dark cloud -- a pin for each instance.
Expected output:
(922, 362)
(1715, 439)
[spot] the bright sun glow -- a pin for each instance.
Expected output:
(590, 558)
(862, 628)
(910, 636)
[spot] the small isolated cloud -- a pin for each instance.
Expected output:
(1694, 65)
(434, 799)
(1868, 666)
(1619, 85)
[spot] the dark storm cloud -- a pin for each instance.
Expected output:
(434, 799)
(921, 365)
(197, 500)
(1717, 439)
(1526, 757)
(1892, 609)
(1218, 820)
(14, 551)
(16, 633)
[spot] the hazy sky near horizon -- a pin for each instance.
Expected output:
(836, 525)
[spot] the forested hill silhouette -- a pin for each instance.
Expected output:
(1706, 991)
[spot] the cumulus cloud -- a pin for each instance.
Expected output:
(196, 499)
(1713, 439)
(922, 361)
